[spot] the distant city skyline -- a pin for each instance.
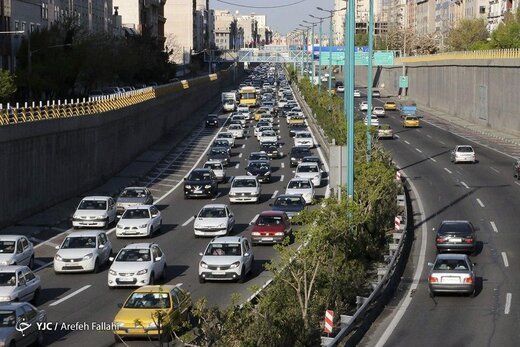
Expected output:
(282, 20)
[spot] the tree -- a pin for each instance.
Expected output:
(7, 85)
(424, 44)
(466, 34)
(507, 34)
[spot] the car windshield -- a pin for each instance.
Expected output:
(79, 242)
(218, 151)
(235, 127)
(213, 166)
(136, 214)
(299, 185)
(223, 249)
(288, 201)
(259, 166)
(258, 157)
(7, 279)
(465, 149)
(212, 212)
(199, 176)
(308, 168)
(269, 220)
(131, 255)
(303, 135)
(455, 228)
(221, 143)
(244, 183)
(225, 136)
(7, 319)
(148, 300)
(411, 118)
(7, 247)
(133, 193)
(451, 265)
(301, 151)
(93, 205)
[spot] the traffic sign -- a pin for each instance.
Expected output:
(360, 58)
(383, 58)
(403, 81)
(329, 321)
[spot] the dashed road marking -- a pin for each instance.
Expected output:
(442, 142)
(237, 165)
(244, 145)
(254, 219)
(492, 168)
(418, 150)
(406, 142)
(480, 202)
(504, 258)
(57, 302)
(282, 165)
(240, 155)
(282, 177)
(433, 159)
(216, 196)
(188, 221)
(493, 226)
(429, 136)
(464, 184)
(447, 170)
(508, 303)
(274, 194)
(518, 184)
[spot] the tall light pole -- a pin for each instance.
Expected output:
(350, 32)
(331, 12)
(306, 31)
(369, 76)
(312, 51)
(320, 43)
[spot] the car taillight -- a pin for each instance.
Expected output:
(468, 240)
(433, 279)
(468, 280)
(440, 240)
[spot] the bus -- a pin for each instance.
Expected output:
(248, 96)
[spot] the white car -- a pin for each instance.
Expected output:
(237, 130)
(244, 110)
(262, 127)
(245, 189)
(229, 105)
(357, 93)
(302, 186)
(18, 283)
(16, 250)
(374, 120)
(95, 211)
(226, 136)
(238, 117)
(214, 220)
(218, 169)
(268, 136)
(139, 221)
(136, 265)
(363, 106)
(281, 103)
(303, 139)
(463, 153)
(226, 258)
(83, 251)
(268, 117)
(379, 111)
(311, 171)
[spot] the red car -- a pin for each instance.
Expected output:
(271, 227)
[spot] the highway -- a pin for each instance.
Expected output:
(72, 298)
(484, 193)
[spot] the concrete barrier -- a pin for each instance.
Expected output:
(48, 161)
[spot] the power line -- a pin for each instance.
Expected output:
(249, 6)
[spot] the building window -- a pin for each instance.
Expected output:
(45, 10)
(482, 9)
(32, 27)
(16, 25)
(23, 26)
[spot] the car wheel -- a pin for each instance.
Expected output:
(12, 344)
(242, 277)
(31, 263)
(202, 280)
(39, 340)
(96, 267)
(163, 273)
(36, 296)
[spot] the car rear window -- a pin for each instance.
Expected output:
(455, 228)
(451, 264)
(465, 149)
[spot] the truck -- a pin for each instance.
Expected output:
(407, 108)
(229, 101)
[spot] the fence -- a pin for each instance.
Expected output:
(467, 55)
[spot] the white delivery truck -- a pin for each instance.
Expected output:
(229, 101)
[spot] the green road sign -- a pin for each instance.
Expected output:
(403, 81)
(360, 58)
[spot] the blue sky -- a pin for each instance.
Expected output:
(283, 19)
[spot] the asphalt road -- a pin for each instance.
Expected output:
(484, 193)
(75, 298)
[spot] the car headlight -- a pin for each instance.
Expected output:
(223, 225)
(5, 298)
(7, 262)
(292, 158)
(102, 217)
(143, 226)
(234, 265)
(280, 233)
(232, 193)
(203, 265)
(142, 272)
(249, 173)
(207, 186)
(187, 186)
(58, 257)
(119, 226)
(88, 256)
(112, 272)
(267, 173)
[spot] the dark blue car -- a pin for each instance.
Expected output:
(291, 204)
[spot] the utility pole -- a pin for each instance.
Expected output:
(369, 77)
(320, 54)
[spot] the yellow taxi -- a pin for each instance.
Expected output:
(295, 119)
(390, 106)
(260, 112)
(142, 311)
(410, 122)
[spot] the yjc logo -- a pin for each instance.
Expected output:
(21, 326)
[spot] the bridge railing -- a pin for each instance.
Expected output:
(465, 55)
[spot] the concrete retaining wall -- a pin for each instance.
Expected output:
(481, 91)
(45, 162)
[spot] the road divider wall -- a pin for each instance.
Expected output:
(48, 161)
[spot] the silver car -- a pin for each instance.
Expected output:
(95, 211)
(218, 169)
(245, 189)
(19, 324)
(16, 250)
(463, 153)
(451, 273)
(214, 220)
(133, 196)
(311, 171)
(226, 258)
(18, 283)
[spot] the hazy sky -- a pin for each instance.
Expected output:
(282, 19)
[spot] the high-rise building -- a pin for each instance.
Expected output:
(146, 17)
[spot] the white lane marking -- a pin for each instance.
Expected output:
(492, 168)
(406, 142)
(416, 278)
(240, 155)
(42, 266)
(447, 170)
(418, 150)
(518, 184)
(464, 184)
(237, 165)
(480, 202)
(429, 136)
(493, 226)
(504, 258)
(282, 165)
(397, 136)
(254, 219)
(508, 303)
(188, 221)
(274, 194)
(442, 142)
(282, 177)
(39, 262)
(432, 159)
(216, 196)
(163, 185)
(57, 302)
(244, 145)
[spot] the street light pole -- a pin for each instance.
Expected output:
(351, 30)
(320, 54)
(312, 51)
(369, 76)
(306, 36)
